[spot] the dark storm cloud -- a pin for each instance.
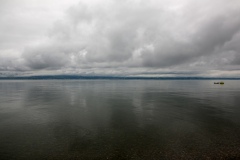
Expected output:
(139, 36)
(45, 57)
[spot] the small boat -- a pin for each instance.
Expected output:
(218, 82)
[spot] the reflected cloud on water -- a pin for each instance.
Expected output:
(118, 119)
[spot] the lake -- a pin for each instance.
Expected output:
(119, 119)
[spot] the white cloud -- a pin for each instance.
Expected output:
(122, 37)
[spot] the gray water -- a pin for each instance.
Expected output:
(119, 119)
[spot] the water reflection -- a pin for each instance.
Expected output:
(119, 119)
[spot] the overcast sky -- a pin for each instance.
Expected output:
(120, 37)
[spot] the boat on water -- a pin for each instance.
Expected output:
(218, 82)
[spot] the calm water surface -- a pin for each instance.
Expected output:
(119, 119)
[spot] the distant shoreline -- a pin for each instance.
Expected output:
(74, 77)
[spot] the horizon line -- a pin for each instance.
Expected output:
(42, 77)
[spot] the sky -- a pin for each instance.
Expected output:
(163, 38)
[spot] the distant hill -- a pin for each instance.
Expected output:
(48, 77)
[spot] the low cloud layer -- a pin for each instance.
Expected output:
(132, 38)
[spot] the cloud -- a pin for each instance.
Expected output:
(154, 37)
(10, 60)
